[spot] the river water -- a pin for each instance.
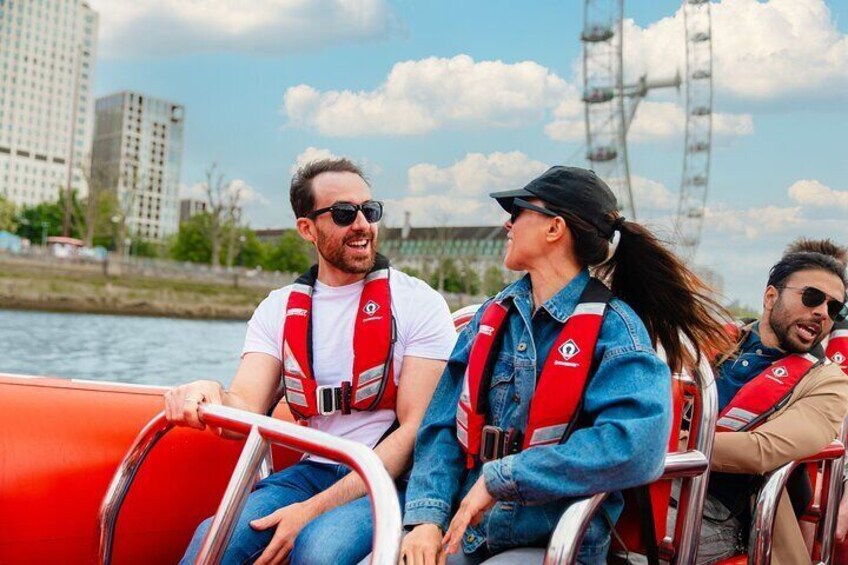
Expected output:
(131, 349)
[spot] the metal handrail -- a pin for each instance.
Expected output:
(568, 535)
(762, 526)
(261, 430)
(565, 541)
(687, 544)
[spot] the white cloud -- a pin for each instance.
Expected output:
(476, 174)
(667, 120)
(443, 209)
(752, 222)
(420, 96)
(458, 194)
(274, 27)
(761, 50)
(815, 194)
(652, 195)
(310, 154)
(654, 121)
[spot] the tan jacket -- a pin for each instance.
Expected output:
(803, 427)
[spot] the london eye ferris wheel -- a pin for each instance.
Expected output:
(610, 105)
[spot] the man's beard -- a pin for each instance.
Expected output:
(334, 252)
(780, 324)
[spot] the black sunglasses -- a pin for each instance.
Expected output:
(344, 213)
(811, 297)
(518, 205)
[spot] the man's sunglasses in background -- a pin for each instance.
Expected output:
(811, 297)
(344, 213)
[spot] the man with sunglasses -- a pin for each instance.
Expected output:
(357, 349)
(780, 399)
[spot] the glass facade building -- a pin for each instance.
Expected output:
(47, 56)
(137, 153)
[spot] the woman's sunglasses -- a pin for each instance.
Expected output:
(344, 213)
(811, 297)
(518, 205)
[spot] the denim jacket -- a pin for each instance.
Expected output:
(627, 410)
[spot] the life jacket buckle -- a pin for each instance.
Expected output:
(328, 400)
(492, 443)
(332, 399)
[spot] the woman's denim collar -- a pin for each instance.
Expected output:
(560, 306)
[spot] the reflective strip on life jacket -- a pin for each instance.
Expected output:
(560, 387)
(372, 385)
(765, 393)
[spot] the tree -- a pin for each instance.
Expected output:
(41, 220)
(449, 276)
(223, 200)
(252, 252)
(493, 280)
(289, 254)
(192, 242)
(8, 216)
(100, 206)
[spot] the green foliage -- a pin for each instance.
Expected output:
(252, 251)
(493, 281)
(36, 221)
(145, 248)
(8, 213)
(192, 242)
(740, 311)
(289, 254)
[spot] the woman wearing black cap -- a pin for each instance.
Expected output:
(554, 391)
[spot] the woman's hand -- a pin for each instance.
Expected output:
(471, 510)
(422, 546)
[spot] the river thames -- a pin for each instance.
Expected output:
(130, 349)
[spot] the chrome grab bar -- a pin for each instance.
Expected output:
(689, 537)
(762, 527)
(568, 534)
(261, 431)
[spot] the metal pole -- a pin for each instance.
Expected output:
(232, 503)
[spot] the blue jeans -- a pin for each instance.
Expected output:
(342, 535)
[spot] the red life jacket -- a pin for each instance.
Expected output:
(372, 385)
(766, 393)
(560, 388)
(837, 347)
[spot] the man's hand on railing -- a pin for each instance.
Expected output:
(422, 546)
(182, 402)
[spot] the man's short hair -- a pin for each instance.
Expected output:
(802, 261)
(823, 246)
(302, 196)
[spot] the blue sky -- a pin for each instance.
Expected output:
(445, 101)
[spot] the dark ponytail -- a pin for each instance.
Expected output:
(668, 297)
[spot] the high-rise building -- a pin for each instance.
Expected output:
(190, 207)
(137, 152)
(47, 55)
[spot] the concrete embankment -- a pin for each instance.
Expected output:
(53, 286)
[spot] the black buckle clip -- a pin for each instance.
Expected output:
(496, 443)
(332, 399)
(492, 443)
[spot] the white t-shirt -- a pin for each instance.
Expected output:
(424, 329)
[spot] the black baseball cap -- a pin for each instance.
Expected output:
(569, 189)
